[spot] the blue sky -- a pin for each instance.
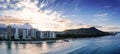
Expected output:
(88, 12)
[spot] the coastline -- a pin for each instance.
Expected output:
(61, 38)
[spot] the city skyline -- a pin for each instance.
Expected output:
(59, 15)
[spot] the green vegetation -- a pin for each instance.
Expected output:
(80, 35)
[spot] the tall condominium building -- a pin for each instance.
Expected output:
(45, 35)
(9, 32)
(16, 35)
(33, 33)
(24, 34)
(52, 34)
(27, 32)
(39, 35)
(49, 34)
(3, 35)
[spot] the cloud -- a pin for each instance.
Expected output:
(109, 28)
(12, 20)
(102, 15)
(100, 19)
(25, 11)
(3, 6)
(24, 26)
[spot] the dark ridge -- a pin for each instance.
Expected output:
(91, 30)
(82, 33)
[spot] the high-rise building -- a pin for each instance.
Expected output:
(45, 35)
(39, 35)
(33, 33)
(3, 35)
(52, 34)
(9, 32)
(16, 35)
(48, 34)
(24, 34)
(27, 32)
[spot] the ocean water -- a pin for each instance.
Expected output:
(100, 45)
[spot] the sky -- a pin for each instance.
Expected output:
(59, 15)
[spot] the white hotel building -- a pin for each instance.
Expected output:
(16, 35)
(33, 34)
(26, 34)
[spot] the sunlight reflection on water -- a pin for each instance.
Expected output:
(91, 45)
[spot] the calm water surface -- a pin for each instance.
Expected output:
(101, 45)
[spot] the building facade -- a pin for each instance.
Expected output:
(9, 32)
(16, 35)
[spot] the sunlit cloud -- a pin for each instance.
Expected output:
(41, 14)
(25, 11)
(109, 28)
(12, 20)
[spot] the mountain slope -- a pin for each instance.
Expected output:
(91, 30)
(82, 32)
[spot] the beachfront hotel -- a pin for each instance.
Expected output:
(17, 33)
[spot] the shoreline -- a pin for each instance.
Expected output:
(57, 39)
